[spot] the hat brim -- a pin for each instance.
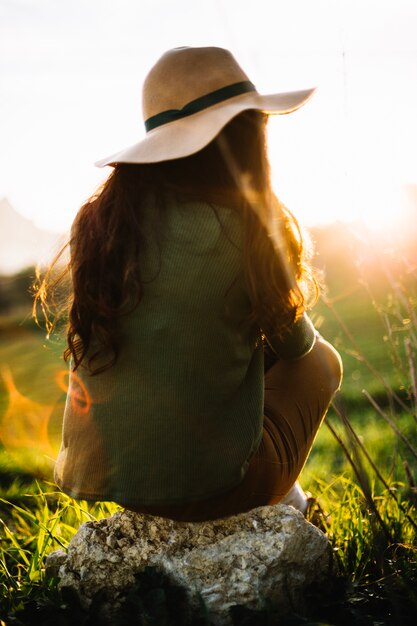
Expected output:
(190, 134)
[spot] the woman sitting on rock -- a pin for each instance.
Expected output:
(198, 383)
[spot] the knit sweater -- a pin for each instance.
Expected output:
(179, 415)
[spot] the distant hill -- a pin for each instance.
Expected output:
(21, 242)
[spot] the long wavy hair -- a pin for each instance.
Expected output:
(107, 238)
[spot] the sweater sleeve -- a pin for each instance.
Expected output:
(296, 342)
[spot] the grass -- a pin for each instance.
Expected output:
(363, 469)
(374, 572)
(43, 520)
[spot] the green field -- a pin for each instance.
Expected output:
(363, 465)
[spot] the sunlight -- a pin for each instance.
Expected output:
(379, 208)
(378, 199)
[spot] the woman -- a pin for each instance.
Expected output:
(187, 276)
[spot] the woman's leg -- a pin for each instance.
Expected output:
(297, 396)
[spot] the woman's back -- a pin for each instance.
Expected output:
(188, 380)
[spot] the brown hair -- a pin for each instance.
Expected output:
(107, 237)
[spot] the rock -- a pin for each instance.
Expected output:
(54, 562)
(270, 552)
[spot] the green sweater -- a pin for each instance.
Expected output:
(179, 415)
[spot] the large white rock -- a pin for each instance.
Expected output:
(270, 552)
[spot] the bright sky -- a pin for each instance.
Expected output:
(70, 91)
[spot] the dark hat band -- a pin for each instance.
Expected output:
(199, 104)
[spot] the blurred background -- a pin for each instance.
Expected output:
(70, 93)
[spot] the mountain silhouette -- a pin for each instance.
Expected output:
(21, 242)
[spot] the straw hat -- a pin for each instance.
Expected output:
(189, 95)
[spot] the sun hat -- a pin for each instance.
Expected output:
(189, 95)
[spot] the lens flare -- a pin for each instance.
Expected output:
(27, 427)
(24, 427)
(78, 394)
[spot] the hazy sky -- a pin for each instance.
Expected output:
(70, 91)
